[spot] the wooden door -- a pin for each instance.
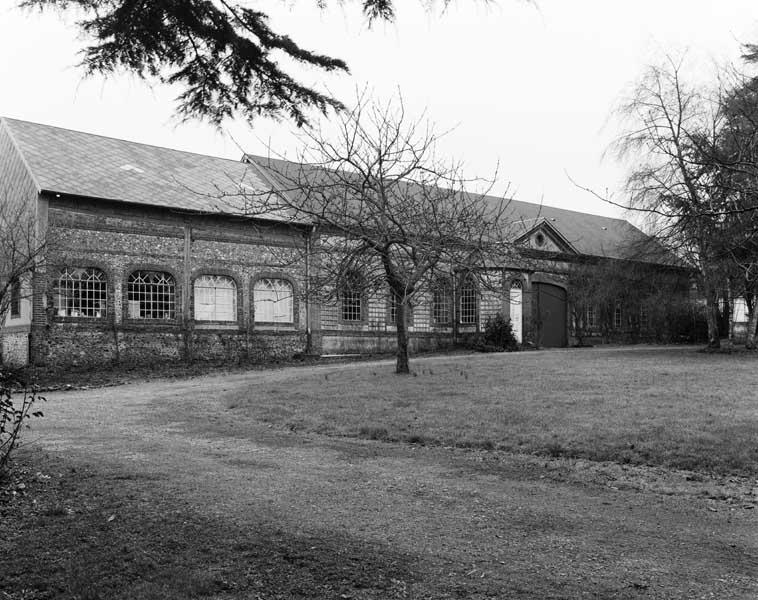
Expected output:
(552, 311)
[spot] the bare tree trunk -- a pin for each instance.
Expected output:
(752, 322)
(579, 325)
(711, 316)
(402, 367)
(730, 308)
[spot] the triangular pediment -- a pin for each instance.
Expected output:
(545, 237)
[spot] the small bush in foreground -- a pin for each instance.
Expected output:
(498, 332)
(14, 414)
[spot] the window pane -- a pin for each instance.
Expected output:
(351, 305)
(617, 317)
(468, 302)
(151, 295)
(351, 297)
(273, 301)
(215, 298)
(441, 303)
(15, 307)
(81, 293)
(590, 317)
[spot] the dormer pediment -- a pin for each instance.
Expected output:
(545, 237)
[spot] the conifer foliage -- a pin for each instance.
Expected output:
(224, 55)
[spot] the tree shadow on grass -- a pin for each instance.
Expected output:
(87, 538)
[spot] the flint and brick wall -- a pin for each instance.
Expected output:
(18, 194)
(375, 332)
(14, 348)
(119, 239)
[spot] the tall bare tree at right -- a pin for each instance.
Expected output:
(672, 139)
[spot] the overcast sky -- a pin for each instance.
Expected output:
(528, 86)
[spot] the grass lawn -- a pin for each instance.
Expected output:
(261, 486)
(672, 407)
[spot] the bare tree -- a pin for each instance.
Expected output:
(653, 300)
(390, 213)
(672, 137)
(21, 250)
(584, 285)
(21, 245)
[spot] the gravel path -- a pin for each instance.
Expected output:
(469, 524)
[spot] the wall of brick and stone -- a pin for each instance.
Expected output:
(119, 239)
(375, 332)
(18, 194)
(14, 347)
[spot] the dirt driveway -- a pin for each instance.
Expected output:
(382, 520)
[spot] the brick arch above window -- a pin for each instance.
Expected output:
(549, 279)
(81, 292)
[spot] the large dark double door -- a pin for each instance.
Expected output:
(552, 331)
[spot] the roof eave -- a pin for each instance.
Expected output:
(180, 210)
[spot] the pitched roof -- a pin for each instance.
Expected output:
(71, 162)
(591, 235)
(586, 234)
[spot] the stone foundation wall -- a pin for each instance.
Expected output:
(69, 345)
(343, 342)
(14, 348)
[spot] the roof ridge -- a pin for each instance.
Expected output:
(121, 140)
(570, 210)
(256, 157)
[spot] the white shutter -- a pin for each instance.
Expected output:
(273, 301)
(517, 302)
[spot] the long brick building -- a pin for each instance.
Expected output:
(149, 256)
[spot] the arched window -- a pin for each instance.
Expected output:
(351, 296)
(81, 293)
(590, 317)
(516, 308)
(273, 301)
(468, 301)
(441, 302)
(645, 317)
(215, 298)
(15, 303)
(617, 317)
(151, 295)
